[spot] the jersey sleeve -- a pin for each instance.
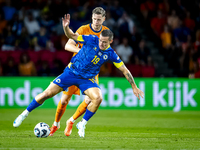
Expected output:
(80, 38)
(80, 31)
(86, 38)
(116, 60)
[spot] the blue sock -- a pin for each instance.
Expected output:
(33, 105)
(88, 115)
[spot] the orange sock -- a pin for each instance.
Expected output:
(60, 111)
(80, 110)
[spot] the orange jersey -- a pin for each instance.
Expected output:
(87, 30)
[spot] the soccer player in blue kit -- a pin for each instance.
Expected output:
(81, 72)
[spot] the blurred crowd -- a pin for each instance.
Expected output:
(31, 36)
(176, 24)
(33, 28)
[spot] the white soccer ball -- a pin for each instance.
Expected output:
(42, 130)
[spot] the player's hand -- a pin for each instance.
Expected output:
(138, 93)
(66, 20)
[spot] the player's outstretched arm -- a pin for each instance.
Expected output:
(130, 79)
(68, 32)
(71, 46)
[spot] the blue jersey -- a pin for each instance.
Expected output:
(87, 62)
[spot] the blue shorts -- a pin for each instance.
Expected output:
(68, 78)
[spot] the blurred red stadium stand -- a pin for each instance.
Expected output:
(4, 56)
(48, 56)
(64, 56)
(136, 70)
(16, 55)
(34, 56)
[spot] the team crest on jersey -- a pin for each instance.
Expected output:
(105, 57)
(58, 80)
(99, 53)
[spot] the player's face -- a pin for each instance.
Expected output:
(104, 42)
(97, 21)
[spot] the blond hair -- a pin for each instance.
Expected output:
(99, 11)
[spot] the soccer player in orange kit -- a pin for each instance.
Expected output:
(94, 28)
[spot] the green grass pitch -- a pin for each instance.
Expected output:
(108, 129)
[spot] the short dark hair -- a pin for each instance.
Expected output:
(99, 11)
(107, 33)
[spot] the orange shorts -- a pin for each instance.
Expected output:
(75, 90)
(72, 90)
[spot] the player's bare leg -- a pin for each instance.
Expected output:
(51, 90)
(80, 110)
(96, 99)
